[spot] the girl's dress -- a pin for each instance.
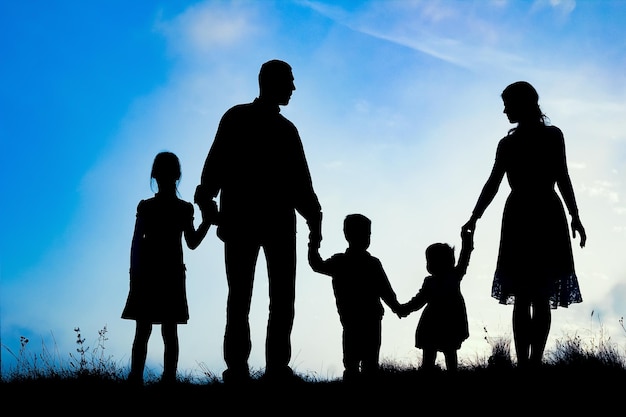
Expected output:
(535, 255)
(443, 324)
(157, 274)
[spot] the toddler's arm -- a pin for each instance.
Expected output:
(467, 246)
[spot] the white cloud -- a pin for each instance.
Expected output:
(210, 26)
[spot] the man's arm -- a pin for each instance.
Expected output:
(213, 169)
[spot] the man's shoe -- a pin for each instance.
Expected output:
(281, 375)
(236, 376)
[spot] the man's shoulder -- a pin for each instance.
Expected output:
(239, 108)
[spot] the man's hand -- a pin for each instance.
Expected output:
(315, 230)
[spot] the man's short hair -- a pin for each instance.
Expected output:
(273, 70)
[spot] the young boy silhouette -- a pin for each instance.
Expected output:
(359, 284)
(443, 324)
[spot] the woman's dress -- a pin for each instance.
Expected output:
(535, 254)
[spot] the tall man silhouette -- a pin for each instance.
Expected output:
(257, 165)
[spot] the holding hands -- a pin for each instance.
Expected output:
(402, 311)
(470, 226)
(208, 206)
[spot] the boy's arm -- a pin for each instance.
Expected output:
(387, 293)
(315, 260)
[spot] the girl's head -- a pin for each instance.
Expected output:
(166, 170)
(521, 103)
(439, 258)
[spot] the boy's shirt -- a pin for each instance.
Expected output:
(359, 284)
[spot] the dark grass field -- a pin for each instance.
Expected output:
(576, 378)
(575, 388)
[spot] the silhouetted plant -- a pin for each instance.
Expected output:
(500, 357)
(50, 365)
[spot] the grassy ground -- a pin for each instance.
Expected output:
(576, 377)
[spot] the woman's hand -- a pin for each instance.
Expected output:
(470, 226)
(577, 226)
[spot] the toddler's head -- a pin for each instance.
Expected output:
(439, 258)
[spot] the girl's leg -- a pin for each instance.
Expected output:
(452, 361)
(540, 328)
(522, 325)
(169, 331)
(428, 359)
(143, 329)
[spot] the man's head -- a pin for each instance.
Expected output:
(276, 82)
(357, 229)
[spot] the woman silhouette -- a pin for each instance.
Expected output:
(535, 267)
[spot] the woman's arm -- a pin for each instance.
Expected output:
(490, 189)
(564, 183)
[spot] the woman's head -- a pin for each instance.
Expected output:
(165, 169)
(521, 103)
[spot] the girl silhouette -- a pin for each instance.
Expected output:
(157, 292)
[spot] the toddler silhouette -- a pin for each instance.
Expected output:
(443, 325)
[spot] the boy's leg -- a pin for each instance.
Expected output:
(350, 346)
(370, 344)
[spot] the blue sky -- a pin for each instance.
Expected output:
(398, 106)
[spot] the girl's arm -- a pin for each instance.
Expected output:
(467, 246)
(194, 236)
(415, 303)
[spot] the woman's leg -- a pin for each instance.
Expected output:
(540, 328)
(522, 324)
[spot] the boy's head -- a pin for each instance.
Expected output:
(357, 229)
(439, 258)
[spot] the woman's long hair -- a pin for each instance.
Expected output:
(526, 100)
